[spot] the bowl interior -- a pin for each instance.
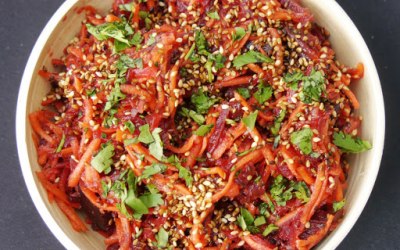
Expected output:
(347, 42)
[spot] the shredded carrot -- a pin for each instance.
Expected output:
(234, 82)
(77, 172)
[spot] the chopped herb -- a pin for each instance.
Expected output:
(156, 147)
(131, 141)
(239, 33)
(162, 238)
(125, 62)
(126, 7)
(243, 153)
(183, 172)
(349, 144)
(313, 87)
(213, 15)
(191, 52)
(136, 39)
(91, 92)
(278, 192)
(218, 61)
(269, 229)
(302, 139)
(293, 77)
(277, 123)
(130, 126)
(202, 101)
(250, 120)
(108, 30)
(250, 57)
(338, 205)
(198, 118)
(61, 145)
(145, 134)
(301, 191)
(201, 43)
(131, 198)
(244, 92)
(106, 188)
(203, 130)
(152, 39)
(276, 141)
(260, 220)
(245, 219)
(136, 204)
(263, 93)
(152, 200)
(114, 97)
(103, 160)
(263, 208)
(155, 168)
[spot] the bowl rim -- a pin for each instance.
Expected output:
(21, 124)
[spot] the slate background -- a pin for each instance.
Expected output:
(20, 24)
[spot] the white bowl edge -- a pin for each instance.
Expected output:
(331, 242)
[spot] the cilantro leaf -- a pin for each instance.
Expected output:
(61, 145)
(152, 200)
(269, 229)
(313, 87)
(105, 187)
(250, 57)
(218, 61)
(213, 15)
(155, 168)
(190, 53)
(203, 130)
(151, 40)
(156, 147)
(250, 120)
(114, 97)
(109, 30)
(162, 238)
(245, 219)
(302, 139)
(301, 191)
(277, 123)
(130, 126)
(349, 144)
(103, 160)
(260, 220)
(184, 173)
(239, 33)
(338, 205)
(202, 101)
(263, 93)
(136, 39)
(279, 191)
(244, 92)
(201, 43)
(293, 77)
(198, 118)
(145, 135)
(126, 7)
(136, 204)
(125, 62)
(128, 142)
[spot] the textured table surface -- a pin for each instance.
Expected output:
(20, 24)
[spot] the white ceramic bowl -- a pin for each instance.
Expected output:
(347, 42)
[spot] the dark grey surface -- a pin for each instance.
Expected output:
(20, 24)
